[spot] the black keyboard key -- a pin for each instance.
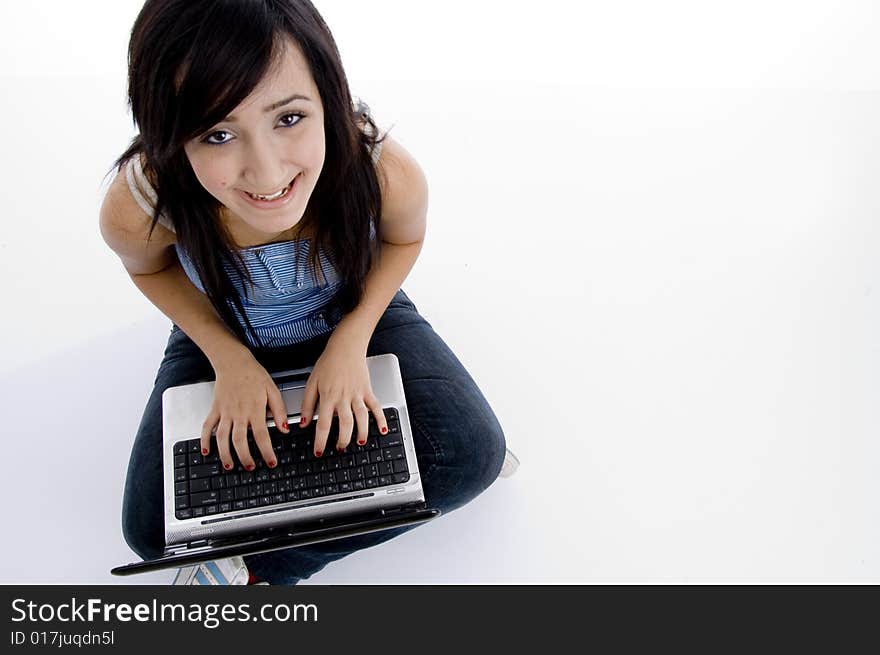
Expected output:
(242, 493)
(393, 453)
(194, 446)
(199, 485)
(181, 488)
(179, 461)
(399, 466)
(375, 456)
(219, 482)
(370, 482)
(227, 495)
(195, 459)
(400, 477)
(386, 468)
(390, 440)
(225, 507)
(345, 487)
(180, 448)
(238, 504)
(358, 485)
(181, 502)
(180, 475)
(198, 511)
(204, 498)
(292, 495)
(183, 514)
(328, 478)
(204, 471)
(253, 502)
(211, 509)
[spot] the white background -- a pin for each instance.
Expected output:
(653, 241)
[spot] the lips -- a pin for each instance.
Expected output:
(278, 201)
(270, 196)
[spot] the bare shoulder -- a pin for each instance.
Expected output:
(125, 227)
(404, 194)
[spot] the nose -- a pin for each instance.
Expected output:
(264, 169)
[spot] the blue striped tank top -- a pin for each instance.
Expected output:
(287, 304)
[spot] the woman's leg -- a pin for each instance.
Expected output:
(459, 443)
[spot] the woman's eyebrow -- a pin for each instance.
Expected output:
(273, 106)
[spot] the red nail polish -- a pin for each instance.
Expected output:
(204, 451)
(318, 453)
(250, 467)
(361, 443)
(384, 430)
(227, 466)
(272, 464)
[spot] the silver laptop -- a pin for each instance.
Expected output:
(211, 513)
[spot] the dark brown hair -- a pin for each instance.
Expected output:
(190, 64)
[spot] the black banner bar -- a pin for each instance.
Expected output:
(374, 619)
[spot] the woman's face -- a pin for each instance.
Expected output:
(262, 148)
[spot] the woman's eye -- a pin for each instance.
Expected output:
(213, 134)
(287, 117)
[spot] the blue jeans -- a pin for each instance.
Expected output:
(459, 443)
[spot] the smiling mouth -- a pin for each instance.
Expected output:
(274, 196)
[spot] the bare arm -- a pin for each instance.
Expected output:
(243, 388)
(156, 272)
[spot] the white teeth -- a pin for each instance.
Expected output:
(272, 197)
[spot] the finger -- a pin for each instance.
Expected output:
(278, 410)
(310, 397)
(346, 425)
(362, 414)
(322, 427)
(207, 430)
(264, 443)
(376, 407)
(239, 440)
(223, 449)
(221, 435)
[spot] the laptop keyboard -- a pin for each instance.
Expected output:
(202, 487)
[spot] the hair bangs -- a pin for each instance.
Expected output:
(233, 51)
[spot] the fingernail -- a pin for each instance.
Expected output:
(284, 425)
(272, 464)
(302, 421)
(384, 430)
(318, 453)
(361, 442)
(227, 466)
(340, 450)
(250, 467)
(204, 451)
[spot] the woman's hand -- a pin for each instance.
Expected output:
(242, 392)
(341, 380)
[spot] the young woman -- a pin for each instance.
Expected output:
(261, 211)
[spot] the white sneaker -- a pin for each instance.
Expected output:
(511, 463)
(230, 571)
